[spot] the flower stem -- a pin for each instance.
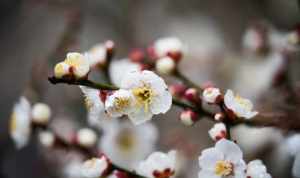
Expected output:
(83, 82)
(186, 81)
(228, 133)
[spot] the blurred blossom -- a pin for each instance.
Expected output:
(296, 166)
(253, 139)
(292, 144)
(20, 123)
(253, 68)
(119, 68)
(126, 144)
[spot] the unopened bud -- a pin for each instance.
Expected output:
(61, 69)
(136, 55)
(41, 113)
(86, 137)
(177, 90)
(217, 132)
(219, 116)
(165, 65)
(211, 95)
(192, 95)
(188, 117)
(46, 138)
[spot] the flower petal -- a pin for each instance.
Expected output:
(207, 174)
(209, 157)
(231, 151)
(162, 103)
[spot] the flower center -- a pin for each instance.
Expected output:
(144, 96)
(13, 122)
(242, 102)
(88, 103)
(121, 102)
(74, 61)
(224, 168)
(125, 140)
(163, 174)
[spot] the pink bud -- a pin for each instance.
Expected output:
(177, 90)
(218, 131)
(136, 55)
(192, 95)
(188, 117)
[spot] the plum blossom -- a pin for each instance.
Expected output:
(225, 160)
(158, 165)
(151, 95)
(20, 123)
(210, 95)
(120, 68)
(218, 131)
(126, 144)
(97, 55)
(119, 103)
(256, 169)
(168, 46)
(94, 105)
(95, 167)
(75, 64)
(241, 107)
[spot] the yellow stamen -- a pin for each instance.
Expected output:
(223, 168)
(144, 96)
(13, 122)
(121, 103)
(125, 140)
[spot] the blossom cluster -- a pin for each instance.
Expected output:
(139, 93)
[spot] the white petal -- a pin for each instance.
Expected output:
(139, 116)
(207, 174)
(162, 103)
(231, 151)
(209, 157)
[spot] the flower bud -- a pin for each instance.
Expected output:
(165, 65)
(79, 64)
(118, 174)
(47, 138)
(217, 132)
(41, 113)
(170, 46)
(219, 116)
(211, 95)
(61, 69)
(94, 168)
(188, 117)
(192, 95)
(177, 90)
(86, 137)
(136, 55)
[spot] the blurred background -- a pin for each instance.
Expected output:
(34, 35)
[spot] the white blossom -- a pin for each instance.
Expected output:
(75, 64)
(120, 68)
(41, 113)
(240, 106)
(46, 138)
(126, 144)
(97, 55)
(158, 165)
(225, 160)
(165, 65)
(164, 46)
(218, 131)
(256, 169)
(210, 95)
(94, 105)
(20, 123)
(86, 137)
(296, 166)
(292, 144)
(151, 95)
(94, 168)
(119, 103)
